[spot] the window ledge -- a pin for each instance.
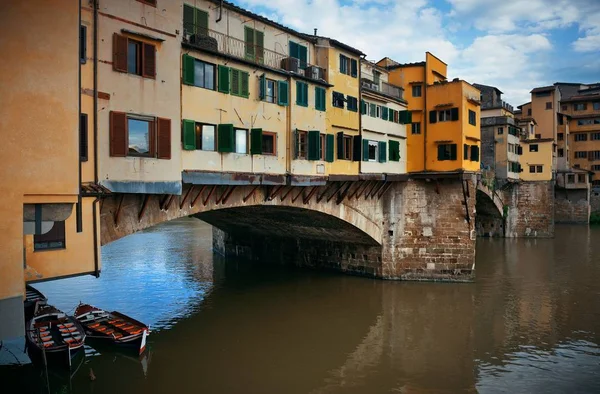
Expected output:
(142, 35)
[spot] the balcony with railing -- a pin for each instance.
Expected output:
(383, 87)
(214, 41)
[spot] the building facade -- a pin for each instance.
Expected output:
(445, 132)
(383, 124)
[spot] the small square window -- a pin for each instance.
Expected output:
(561, 152)
(540, 169)
(581, 178)
(472, 118)
(322, 150)
(549, 105)
(416, 128)
(205, 136)
(417, 90)
(347, 147)
(140, 136)
(561, 136)
(533, 148)
(134, 57)
(500, 130)
(53, 239)
(271, 93)
(373, 150)
(571, 178)
(532, 169)
(445, 115)
(269, 143)
(241, 141)
(302, 145)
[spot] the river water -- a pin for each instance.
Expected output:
(530, 323)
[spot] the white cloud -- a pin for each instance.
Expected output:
(510, 53)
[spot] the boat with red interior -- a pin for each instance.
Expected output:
(53, 337)
(112, 327)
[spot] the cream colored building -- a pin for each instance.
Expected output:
(384, 117)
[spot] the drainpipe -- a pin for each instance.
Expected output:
(220, 12)
(425, 117)
(288, 135)
(95, 5)
(362, 57)
(78, 211)
(95, 224)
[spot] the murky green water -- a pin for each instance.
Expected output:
(530, 323)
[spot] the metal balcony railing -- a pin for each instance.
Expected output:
(383, 87)
(218, 42)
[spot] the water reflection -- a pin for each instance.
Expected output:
(530, 323)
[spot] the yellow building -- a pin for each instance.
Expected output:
(48, 227)
(383, 125)
(538, 153)
(445, 133)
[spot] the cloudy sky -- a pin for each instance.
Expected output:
(515, 45)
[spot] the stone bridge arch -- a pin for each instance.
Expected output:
(490, 212)
(346, 208)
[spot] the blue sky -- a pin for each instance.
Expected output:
(514, 45)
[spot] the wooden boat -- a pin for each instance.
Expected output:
(112, 327)
(33, 300)
(53, 337)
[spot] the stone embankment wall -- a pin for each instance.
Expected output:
(572, 206)
(530, 209)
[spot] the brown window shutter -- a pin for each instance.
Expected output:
(118, 134)
(164, 138)
(119, 52)
(149, 61)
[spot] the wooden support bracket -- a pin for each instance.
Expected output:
(341, 185)
(284, 196)
(385, 189)
(218, 199)
(298, 195)
(377, 189)
(212, 189)
(197, 196)
(250, 194)
(372, 187)
(320, 196)
(228, 194)
(343, 194)
(118, 213)
(275, 192)
(359, 184)
(306, 199)
(144, 206)
(186, 196)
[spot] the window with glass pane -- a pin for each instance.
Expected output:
(53, 239)
(271, 95)
(445, 115)
(241, 141)
(134, 53)
(139, 137)
(347, 147)
(268, 143)
(373, 145)
(204, 75)
(205, 136)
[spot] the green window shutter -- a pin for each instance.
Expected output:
(329, 152)
(299, 93)
(343, 68)
(256, 141)
(353, 68)
(432, 116)
(363, 107)
(402, 118)
(294, 51)
(189, 134)
(282, 90)
(303, 56)
(384, 113)
(245, 81)
(323, 92)
(235, 82)
(391, 115)
(314, 142)
(466, 152)
(305, 88)
(224, 77)
(188, 70)
(201, 22)
(262, 87)
(225, 138)
(260, 46)
(474, 153)
(188, 19)
(365, 145)
(453, 152)
(394, 151)
(356, 147)
(318, 104)
(408, 117)
(382, 151)
(454, 113)
(249, 42)
(441, 152)
(373, 111)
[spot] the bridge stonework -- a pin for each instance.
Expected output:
(420, 229)
(530, 209)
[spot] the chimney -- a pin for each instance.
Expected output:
(315, 31)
